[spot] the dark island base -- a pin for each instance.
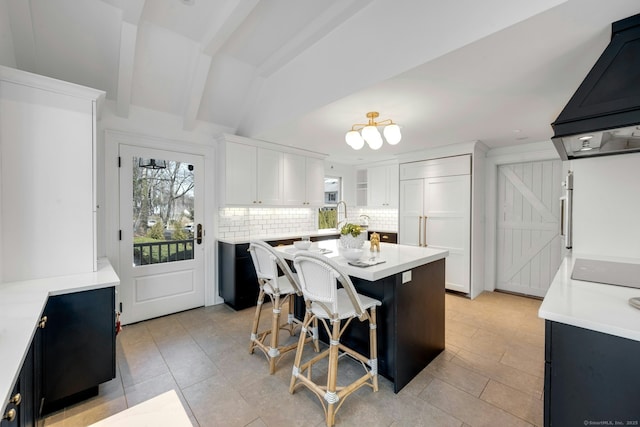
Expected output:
(410, 322)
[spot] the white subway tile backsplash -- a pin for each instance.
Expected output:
(242, 223)
(381, 219)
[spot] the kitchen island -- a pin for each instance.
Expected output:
(592, 348)
(410, 284)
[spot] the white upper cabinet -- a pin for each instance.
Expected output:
(241, 174)
(253, 175)
(260, 176)
(270, 177)
(382, 186)
(295, 190)
(303, 180)
(47, 171)
(315, 181)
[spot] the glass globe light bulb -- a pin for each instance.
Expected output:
(375, 142)
(392, 134)
(354, 139)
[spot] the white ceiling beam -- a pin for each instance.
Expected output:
(215, 38)
(24, 45)
(220, 33)
(196, 91)
(331, 18)
(131, 13)
(128, 37)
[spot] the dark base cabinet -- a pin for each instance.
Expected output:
(410, 322)
(385, 237)
(24, 400)
(237, 280)
(79, 348)
(72, 352)
(591, 378)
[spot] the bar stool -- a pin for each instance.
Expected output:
(319, 278)
(280, 289)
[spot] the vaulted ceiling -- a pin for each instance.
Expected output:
(301, 72)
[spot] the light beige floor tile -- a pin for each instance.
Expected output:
(149, 389)
(215, 402)
(82, 416)
(514, 401)
(494, 346)
(505, 374)
(458, 376)
(468, 408)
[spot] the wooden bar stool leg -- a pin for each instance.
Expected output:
(290, 315)
(373, 347)
(332, 380)
(275, 328)
(256, 322)
(301, 341)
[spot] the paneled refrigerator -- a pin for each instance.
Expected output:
(435, 212)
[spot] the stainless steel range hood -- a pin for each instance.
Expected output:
(603, 116)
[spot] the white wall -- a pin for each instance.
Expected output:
(7, 56)
(607, 205)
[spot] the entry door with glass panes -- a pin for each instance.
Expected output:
(161, 246)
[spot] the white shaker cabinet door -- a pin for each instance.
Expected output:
(269, 177)
(314, 182)
(303, 180)
(382, 186)
(241, 165)
(411, 212)
(294, 183)
(447, 209)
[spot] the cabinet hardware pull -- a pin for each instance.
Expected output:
(384, 236)
(16, 399)
(420, 230)
(10, 415)
(43, 322)
(424, 231)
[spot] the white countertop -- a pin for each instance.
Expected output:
(598, 307)
(21, 306)
(398, 258)
(160, 411)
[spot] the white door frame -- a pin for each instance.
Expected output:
(111, 213)
(516, 154)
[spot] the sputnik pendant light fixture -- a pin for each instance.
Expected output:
(369, 133)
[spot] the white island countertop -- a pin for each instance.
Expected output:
(397, 258)
(595, 306)
(21, 305)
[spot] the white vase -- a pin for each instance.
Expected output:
(348, 241)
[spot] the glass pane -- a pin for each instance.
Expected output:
(327, 215)
(163, 202)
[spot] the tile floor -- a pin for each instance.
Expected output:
(491, 373)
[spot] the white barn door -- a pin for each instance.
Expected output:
(528, 241)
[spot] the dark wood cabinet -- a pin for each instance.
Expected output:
(79, 351)
(590, 377)
(385, 237)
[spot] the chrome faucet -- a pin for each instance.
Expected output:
(344, 218)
